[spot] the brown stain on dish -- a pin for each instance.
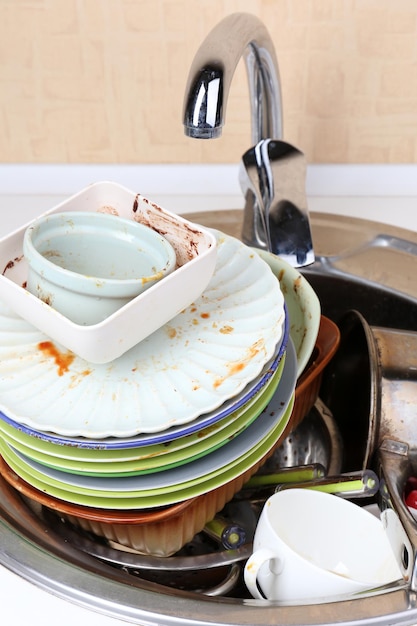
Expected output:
(297, 284)
(209, 430)
(109, 210)
(47, 298)
(205, 315)
(238, 366)
(12, 263)
(9, 266)
(226, 330)
(282, 284)
(62, 360)
(164, 224)
(154, 277)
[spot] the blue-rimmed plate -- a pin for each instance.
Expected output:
(179, 478)
(147, 459)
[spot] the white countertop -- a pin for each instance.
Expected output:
(386, 194)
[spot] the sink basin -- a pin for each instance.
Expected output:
(360, 265)
(381, 307)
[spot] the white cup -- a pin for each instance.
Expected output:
(310, 545)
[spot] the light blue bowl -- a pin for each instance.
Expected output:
(87, 265)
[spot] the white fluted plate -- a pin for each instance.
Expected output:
(204, 356)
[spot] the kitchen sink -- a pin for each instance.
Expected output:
(359, 265)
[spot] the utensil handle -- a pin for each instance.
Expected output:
(226, 533)
(294, 474)
(361, 484)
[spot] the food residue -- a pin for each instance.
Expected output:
(297, 284)
(234, 368)
(172, 332)
(12, 263)
(110, 210)
(9, 266)
(62, 360)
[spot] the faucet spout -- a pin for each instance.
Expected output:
(240, 35)
(272, 175)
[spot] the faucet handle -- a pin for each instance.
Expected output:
(272, 177)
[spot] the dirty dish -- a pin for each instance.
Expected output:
(158, 531)
(173, 437)
(303, 305)
(184, 476)
(195, 249)
(164, 498)
(106, 451)
(151, 459)
(88, 265)
(204, 356)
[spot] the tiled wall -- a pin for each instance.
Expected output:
(102, 81)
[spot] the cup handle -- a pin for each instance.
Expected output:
(253, 565)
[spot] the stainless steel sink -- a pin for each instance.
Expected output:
(361, 265)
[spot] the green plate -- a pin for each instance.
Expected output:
(165, 499)
(235, 424)
(130, 487)
(152, 451)
(179, 479)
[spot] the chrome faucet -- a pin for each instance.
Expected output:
(274, 218)
(236, 36)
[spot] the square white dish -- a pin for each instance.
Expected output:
(195, 249)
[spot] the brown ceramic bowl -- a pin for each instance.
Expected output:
(308, 385)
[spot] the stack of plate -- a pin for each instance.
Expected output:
(178, 415)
